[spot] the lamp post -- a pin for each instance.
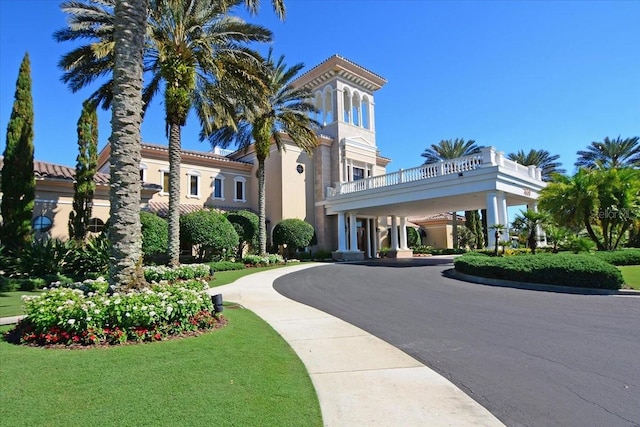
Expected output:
(284, 252)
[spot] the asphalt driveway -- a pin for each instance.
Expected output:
(532, 358)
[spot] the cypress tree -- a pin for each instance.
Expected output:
(18, 179)
(478, 230)
(86, 165)
(485, 227)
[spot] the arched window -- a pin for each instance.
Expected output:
(328, 105)
(346, 97)
(356, 109)
(366, 112)
(318, 104)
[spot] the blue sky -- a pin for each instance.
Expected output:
(547, 75)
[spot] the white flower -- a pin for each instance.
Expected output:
(88, 318)
(117, 301)
(96, 311)
(169, 309)
(60, 308)
(127, 314)
(152, 313)
(71, 321)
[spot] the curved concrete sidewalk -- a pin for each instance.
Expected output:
(360, 379)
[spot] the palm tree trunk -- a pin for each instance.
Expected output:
(262, 212)
(125, 262)
(592, 234)
(175, 157)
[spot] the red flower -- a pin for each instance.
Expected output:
(157, 336)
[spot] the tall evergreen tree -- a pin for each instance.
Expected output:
(18, 180)
(86, 166)
(474, 224)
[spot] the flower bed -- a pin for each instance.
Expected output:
(87, 314)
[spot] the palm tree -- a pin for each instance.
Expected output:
(282, 109)
(541, 159)
(571, 202)
(616, 153)
(448, 149)
(125, 233)
(190, 45)
(529, 221)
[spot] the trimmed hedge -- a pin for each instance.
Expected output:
(584, 271)
(621, 257)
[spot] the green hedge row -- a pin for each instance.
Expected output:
(584, 271)
(621, 257)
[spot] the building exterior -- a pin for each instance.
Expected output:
(342, 188)
(54, 200)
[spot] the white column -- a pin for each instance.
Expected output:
(369, 236)
(394, 233)
(376, 236)
(342, 229)
(492, 217)
(540, 234)
(353, 233)
(503, 215)
(403, 233)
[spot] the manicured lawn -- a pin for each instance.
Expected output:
(11, 303)
(631, 274)
(225, 277)
(244, 374)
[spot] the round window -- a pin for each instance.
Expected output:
(41, 224)
(300, 168)
(95, 225)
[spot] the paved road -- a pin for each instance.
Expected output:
(532, 358)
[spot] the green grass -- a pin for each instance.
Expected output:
(11, 302)
(225, 277)
(631, 275)
(243, 374)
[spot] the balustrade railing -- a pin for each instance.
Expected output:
(487, 157)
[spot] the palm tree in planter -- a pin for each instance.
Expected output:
(611, 153)
(541, 159)
(281, 109)
(190, 45)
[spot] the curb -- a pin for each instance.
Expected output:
(452, 273)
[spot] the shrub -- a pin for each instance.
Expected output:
(620, 257)
(87, 259)
(263, 260)
(293, 232)
(246, 224)
(211, 232)
(38, 259)
(585, 271)
(70, 316)
(182, 272)
(155, 234)
(226, 265)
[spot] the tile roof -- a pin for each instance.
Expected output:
(202, 154)
(45, 170)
